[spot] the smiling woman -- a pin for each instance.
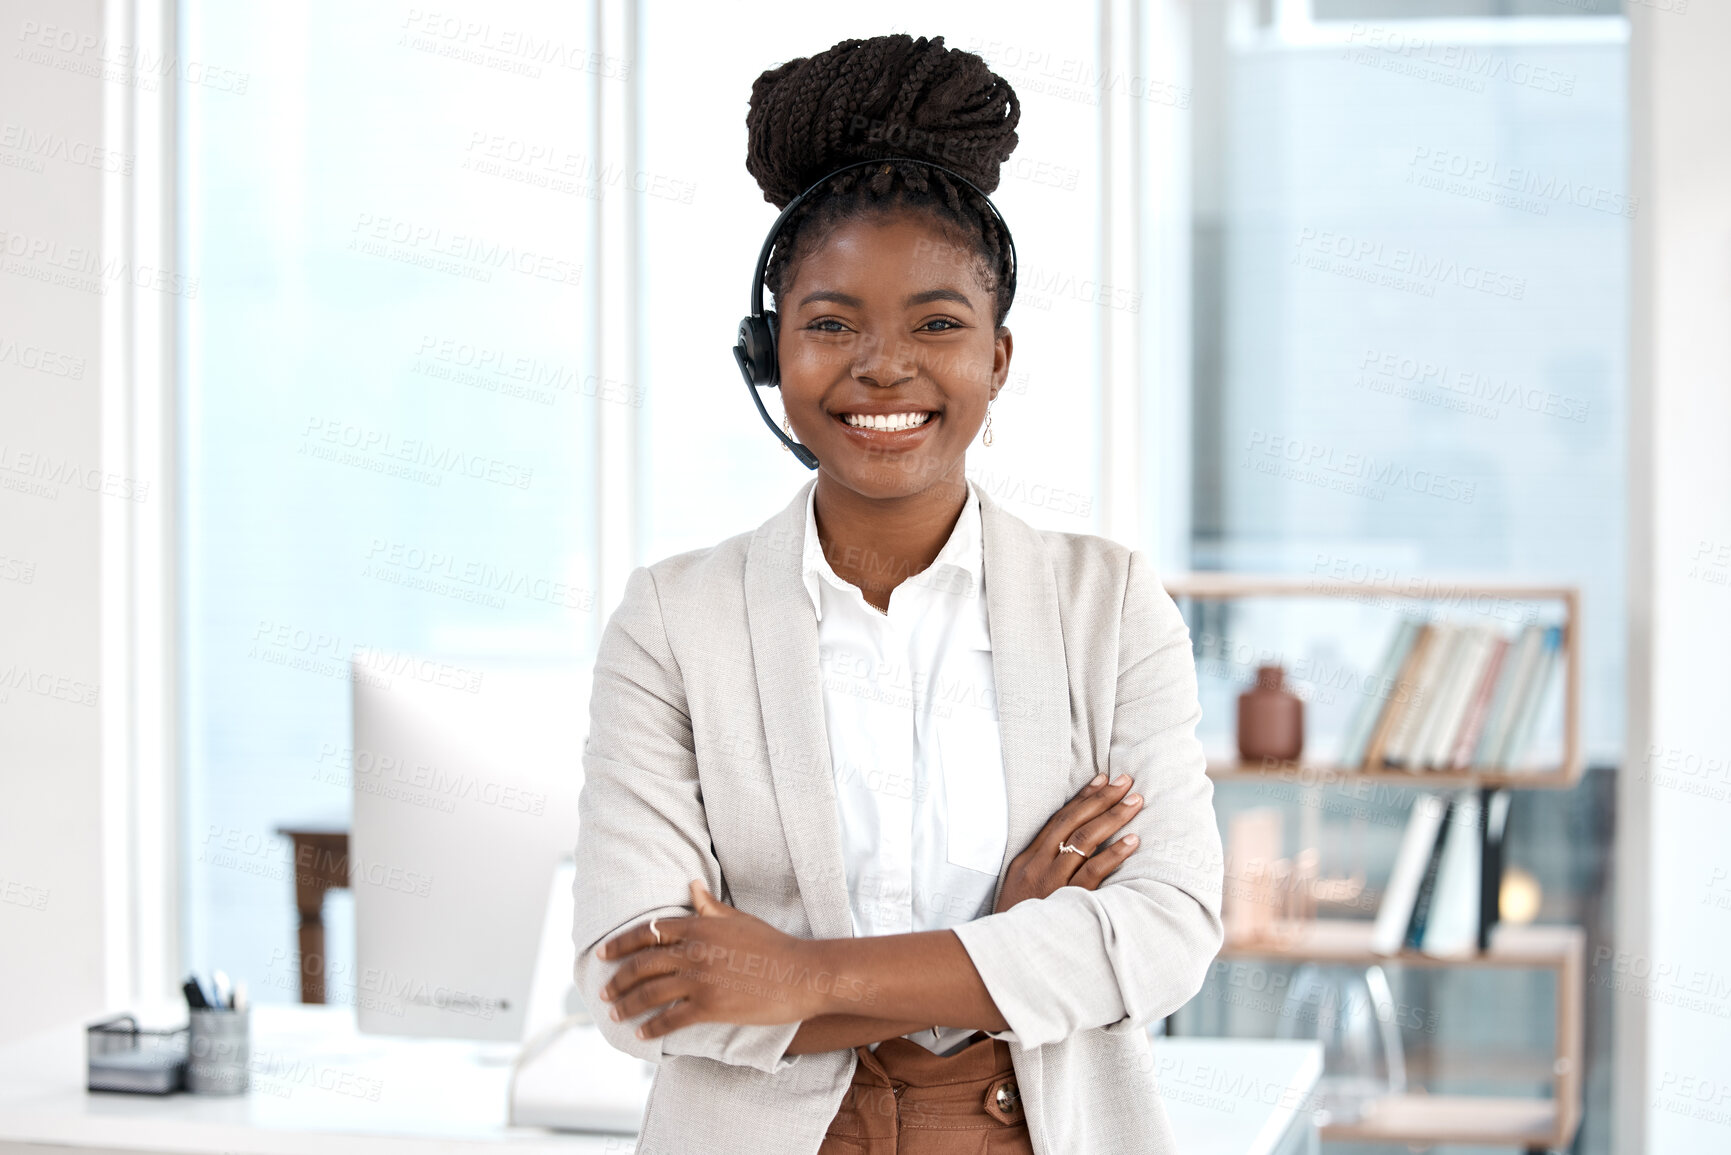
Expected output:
(892, 278)
(852, 874)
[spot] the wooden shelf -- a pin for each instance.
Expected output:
(1419, 1119)
(1322, 774)
(1435, 1066)
(1347, 941)
(1471, 1119)
(1459, 593)
(1213, 586)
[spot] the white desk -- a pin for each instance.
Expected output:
(1240, 1096)
(318, 1085)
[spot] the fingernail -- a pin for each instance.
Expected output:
(641, 1033)
(1121, 779)
(1131, 840)
(1097, 779)
(615, 1013)
(1134, 800)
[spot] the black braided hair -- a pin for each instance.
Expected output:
(890, 96)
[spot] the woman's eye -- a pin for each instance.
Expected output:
(821, 323)
(944, 321)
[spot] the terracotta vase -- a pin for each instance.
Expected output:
(1270, 719)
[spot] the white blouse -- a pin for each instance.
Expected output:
(912, 721)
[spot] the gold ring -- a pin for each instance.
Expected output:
(1066, 846)
(654, 931)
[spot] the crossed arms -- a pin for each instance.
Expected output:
(1118, 957)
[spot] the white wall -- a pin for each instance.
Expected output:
(1672, 965)
(51, 493)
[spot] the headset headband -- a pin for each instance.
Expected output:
(1009, 288)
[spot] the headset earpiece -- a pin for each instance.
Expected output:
(772, 319)
(756, 351)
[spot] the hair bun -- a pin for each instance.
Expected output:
(887, 96)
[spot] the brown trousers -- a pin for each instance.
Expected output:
(905, 1100)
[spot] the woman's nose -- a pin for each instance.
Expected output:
(880, 360)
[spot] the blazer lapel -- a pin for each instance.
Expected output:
(1029, 673)
(1028, 669)
(784, 654)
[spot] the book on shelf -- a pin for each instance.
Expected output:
(1419, 920)
(1436, 743)
(1401, 700)
(1493, 829)
(1455, 654)
(1427, 674)
(1379, 692)
(1523, 655)
(1452, 930)
(1532, 700)
(1452, 697)
(1410, 863)
(1479, 709)
(1441, 897)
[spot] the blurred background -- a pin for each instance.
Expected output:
(420, 343)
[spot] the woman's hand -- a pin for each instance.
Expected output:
(1096, 813)
(721, 965)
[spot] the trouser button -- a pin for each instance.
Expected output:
(1004, 1101)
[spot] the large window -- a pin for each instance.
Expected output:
(1411, 339)
(387, 403)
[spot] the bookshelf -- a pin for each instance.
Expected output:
(1231, 587)
(1413, 1118)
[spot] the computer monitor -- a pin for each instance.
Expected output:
(466, 776)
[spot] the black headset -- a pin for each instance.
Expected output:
(755, 350)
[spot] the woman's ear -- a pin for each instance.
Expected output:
(1002, 346)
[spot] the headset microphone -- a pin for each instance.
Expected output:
(755, 350)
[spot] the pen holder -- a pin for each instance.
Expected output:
(219, 1050)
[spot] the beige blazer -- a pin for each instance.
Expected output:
(707, 758)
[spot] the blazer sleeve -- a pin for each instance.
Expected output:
(1139, 947)
(642, 830)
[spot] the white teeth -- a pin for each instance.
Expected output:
(888, 423)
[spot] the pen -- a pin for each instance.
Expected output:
(194, 993)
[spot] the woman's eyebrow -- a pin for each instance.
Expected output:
(853, 302)
(835, 295)
(939, 295)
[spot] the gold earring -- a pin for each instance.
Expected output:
(987, 439)
(787, 431)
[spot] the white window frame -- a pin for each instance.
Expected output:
(143, 879)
